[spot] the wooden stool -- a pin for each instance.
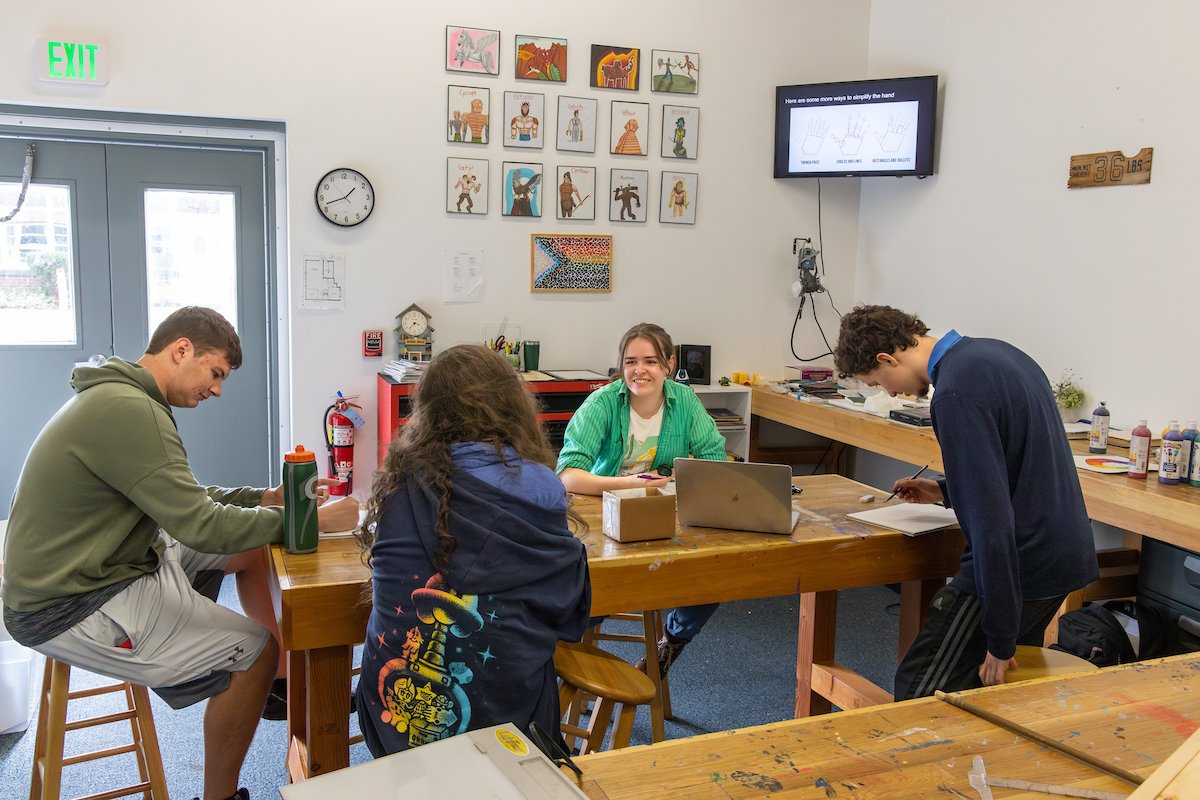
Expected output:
(48, 761)
(652, 631)
(1042, 662)
(587, 670)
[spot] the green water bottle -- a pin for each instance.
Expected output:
(300, 500)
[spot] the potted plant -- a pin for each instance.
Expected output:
(1068, 394)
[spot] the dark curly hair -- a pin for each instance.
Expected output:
(870, 330)
(466, 394)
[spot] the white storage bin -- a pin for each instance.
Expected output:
(14, 687)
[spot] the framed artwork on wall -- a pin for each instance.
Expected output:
(697, 360)
(467, 186)
(676, 71)
(468, 114)
(521, 189)
(524, 119)
(566, 262)
(577, 124)
(629, 130)
(614, 67)
(677, 201)
(576, 193)
(541, 58)
(472, 50)
(630, 190)
(680, 131)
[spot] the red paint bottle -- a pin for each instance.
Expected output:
(1139, 451)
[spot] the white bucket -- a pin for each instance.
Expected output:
(14, 687)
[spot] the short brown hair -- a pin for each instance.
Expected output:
(206, 329)
(870, 330)
(664, 348)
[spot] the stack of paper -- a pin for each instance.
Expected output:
(404, 370)
(911, 519)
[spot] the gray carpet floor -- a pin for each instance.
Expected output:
(740, 671)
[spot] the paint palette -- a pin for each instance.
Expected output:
(1108, 464)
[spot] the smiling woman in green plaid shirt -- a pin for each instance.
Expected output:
(623, 433)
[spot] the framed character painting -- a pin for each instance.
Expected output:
(468, 114)
(524, 119)
(521, 189)
(677, 202)
(629, 129)
(577, 124)
(472, 50)
(680, 131)
(467, 186)
(576, 193)
(541, 58)
(628, 197)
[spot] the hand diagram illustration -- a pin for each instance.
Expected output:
(817, 128)
(890, 139)
(851, 141)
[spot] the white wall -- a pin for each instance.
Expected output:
(363, 85)
(1099, 280)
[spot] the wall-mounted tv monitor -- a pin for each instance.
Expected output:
(855, 128)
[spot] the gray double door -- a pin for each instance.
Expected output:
(135, 230)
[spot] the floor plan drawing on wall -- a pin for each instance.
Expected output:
(324, 277)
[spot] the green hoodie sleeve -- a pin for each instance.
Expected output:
(154, 475)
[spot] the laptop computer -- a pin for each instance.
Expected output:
(735, 495)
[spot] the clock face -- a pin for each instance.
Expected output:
(413, 323)
(345, 197)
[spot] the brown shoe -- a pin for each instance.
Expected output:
(669, 648)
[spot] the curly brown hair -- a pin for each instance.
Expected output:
(868, 331)
(466, 394)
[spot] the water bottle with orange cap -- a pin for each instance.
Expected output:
(300, 500)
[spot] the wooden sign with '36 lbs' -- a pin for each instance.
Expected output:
(1113, 168)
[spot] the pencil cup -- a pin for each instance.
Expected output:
(532, 350)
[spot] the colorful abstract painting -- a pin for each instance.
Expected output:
(570, 263)
(541, 58)
(615, 67)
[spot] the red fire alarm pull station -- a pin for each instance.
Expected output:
(372, 344)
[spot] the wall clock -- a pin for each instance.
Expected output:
(345, 197)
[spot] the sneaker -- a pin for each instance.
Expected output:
(669, 648)
(276, 707)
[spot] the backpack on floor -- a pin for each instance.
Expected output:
(1095, 634)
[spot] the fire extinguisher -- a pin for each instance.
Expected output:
(340, 419)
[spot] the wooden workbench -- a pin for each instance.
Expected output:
(315, 598)
(1168, 513)
(1133, 716)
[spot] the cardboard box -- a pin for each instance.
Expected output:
(638, 515)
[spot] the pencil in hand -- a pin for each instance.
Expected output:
(916, 475)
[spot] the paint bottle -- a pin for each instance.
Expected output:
(1139, 451)
(300, 500)
(1098, 437)
(1170, 454)
(1185, 463)
(1194, 474)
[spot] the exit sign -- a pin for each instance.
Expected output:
(65, 61)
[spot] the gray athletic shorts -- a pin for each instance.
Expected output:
(184, 646)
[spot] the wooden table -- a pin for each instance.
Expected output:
(1168, 513)
(1133, 716)
(315, 597)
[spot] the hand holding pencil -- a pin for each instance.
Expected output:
(917, 489)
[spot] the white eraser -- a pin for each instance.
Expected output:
(867, 498)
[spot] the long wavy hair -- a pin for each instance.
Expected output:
(466, 394)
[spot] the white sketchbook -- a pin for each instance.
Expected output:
(911, 519)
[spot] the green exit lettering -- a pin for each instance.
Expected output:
(72, 60)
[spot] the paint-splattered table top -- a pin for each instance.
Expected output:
(1132, 716)
(826, 551)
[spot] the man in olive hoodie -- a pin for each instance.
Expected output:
(110, 537)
